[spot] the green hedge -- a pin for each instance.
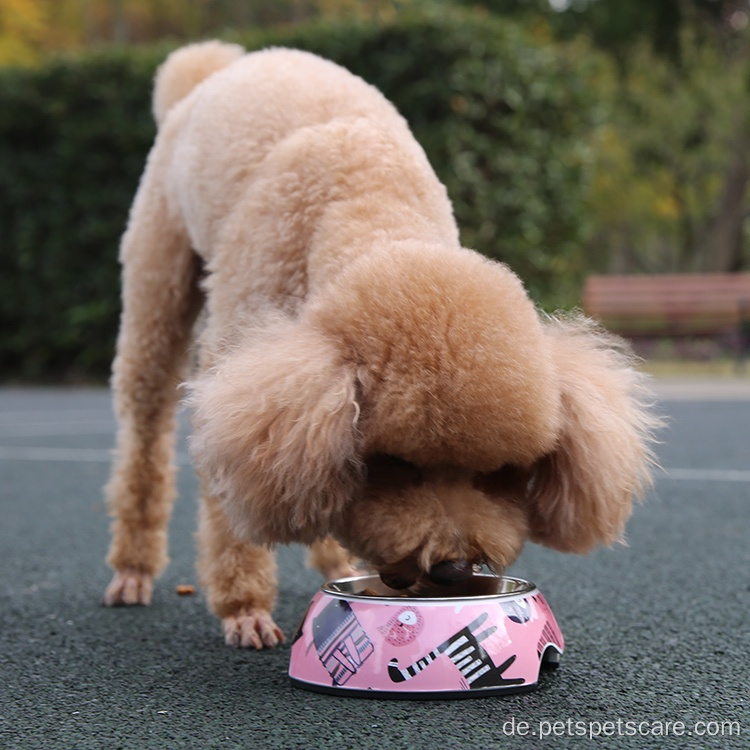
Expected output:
(504, 119)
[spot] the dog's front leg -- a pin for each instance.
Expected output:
(239, 579)
(331, 560)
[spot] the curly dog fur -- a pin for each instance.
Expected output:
(362, 377)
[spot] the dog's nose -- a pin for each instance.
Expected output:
(397, 581)
(448, 572)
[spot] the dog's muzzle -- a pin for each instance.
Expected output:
(449, 572)
(445, 573)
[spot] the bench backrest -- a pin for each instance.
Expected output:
(673, 304)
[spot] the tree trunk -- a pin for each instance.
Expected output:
(119, 23)
(723, 251)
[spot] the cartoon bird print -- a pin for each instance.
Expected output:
(403, 627)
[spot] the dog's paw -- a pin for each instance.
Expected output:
(129, 587)
(252, 628)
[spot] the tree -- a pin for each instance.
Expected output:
(671, 177)
(22, 24)
(707, 156)
(31, 29)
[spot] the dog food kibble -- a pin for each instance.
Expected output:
(185, 589)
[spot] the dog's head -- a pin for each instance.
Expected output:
(423, 413)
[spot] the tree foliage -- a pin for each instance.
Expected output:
(31, 30)
(22, 26)
(671, 192)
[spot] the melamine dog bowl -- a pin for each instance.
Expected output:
(488, 636)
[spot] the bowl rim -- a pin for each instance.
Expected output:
(524, 588)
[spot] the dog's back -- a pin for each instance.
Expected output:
(224, 128)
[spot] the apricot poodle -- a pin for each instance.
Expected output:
(364, 383)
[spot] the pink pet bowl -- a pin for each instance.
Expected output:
(489, 636)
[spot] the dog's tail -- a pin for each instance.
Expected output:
(185, 68)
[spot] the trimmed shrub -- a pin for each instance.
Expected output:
(73, 138)
(503, 117)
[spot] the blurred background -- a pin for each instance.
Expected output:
(599, 147)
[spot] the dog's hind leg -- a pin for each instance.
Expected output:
(161, 299)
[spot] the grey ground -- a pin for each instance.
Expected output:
(656, 632)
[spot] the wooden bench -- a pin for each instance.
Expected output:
(673, 305)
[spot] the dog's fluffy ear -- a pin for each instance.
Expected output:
(581, 494)
(275, 434)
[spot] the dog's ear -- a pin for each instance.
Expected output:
(581, 494)
(275, 434)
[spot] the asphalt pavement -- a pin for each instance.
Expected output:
(657, 633)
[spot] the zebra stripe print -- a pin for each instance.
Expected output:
(462, 649)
